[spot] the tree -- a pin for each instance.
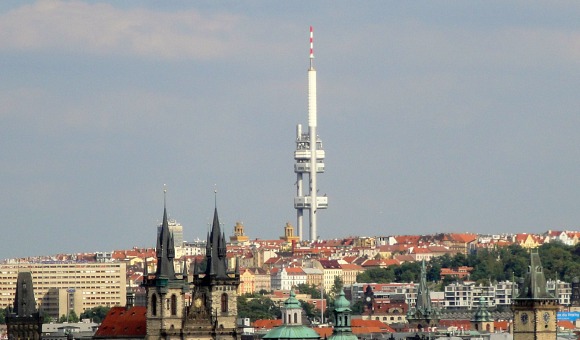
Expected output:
(311, 290)
(337, 286)
(377, 275)
(257, 307)
(96, 314)
(72, 317)
(309, 309)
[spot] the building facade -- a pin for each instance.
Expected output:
(62, 287)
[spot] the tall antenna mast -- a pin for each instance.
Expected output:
(309, 157)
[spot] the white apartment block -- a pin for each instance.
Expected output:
(194, 248)
(287, 278)
(61, 287)
(504, 293)
(564, 291)
(467, 294)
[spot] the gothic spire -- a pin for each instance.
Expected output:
(216, 259)
(165, 250)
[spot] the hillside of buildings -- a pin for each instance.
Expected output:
(488, 263)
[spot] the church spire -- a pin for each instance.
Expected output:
(165, 248)
(216, 258)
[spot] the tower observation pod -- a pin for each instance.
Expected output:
(309, 157)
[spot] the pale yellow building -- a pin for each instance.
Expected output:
(61, 287)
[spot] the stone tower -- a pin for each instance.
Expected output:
(424, 315)
(165, 290)
(534, 308)
(214, 308)
(24, 321)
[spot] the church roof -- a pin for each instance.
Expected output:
(122, 322)
(534, 286)
(341, 304)
(292, 332)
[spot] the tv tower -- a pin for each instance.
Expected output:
(309, 157)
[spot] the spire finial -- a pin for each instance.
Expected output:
(164, 195)
(215, 196)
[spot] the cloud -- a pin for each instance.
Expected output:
(102, 29)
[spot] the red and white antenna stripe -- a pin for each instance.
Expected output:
(311, 43)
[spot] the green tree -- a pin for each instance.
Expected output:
(3, 313)
(95, 314)
(72, 317)
(337, 286)
(376, 275)
(309, 309)
(311, 290)
(257, 307)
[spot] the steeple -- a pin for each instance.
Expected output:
(423, 296)
(216, 257)
(342, 329)
(423, 315)
(534, 308)
(534, 286)
(165, 250)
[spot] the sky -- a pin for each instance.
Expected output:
(439, 116)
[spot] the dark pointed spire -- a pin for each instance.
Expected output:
(165, 249)
(216, 260)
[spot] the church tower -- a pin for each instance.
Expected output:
(424, 315)
(24, 322)
(165, 290)
(534, 308)
(214, 308)
(341, 312)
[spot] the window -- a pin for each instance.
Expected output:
(173, 304)
(154, 305)
(224, 303)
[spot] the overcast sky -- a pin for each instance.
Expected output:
(439, 116)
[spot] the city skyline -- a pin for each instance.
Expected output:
(438, 117)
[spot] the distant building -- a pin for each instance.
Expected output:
(239, 236)
(62, 287)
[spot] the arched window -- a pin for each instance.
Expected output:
(295, 317)
(224, 303)
(154, 304)
(173, 304)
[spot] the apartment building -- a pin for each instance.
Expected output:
(563, 293)
(466, 295)
(62, 287)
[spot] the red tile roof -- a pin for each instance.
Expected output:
(121, 322)
(267, 324)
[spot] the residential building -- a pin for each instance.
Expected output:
(61, 287)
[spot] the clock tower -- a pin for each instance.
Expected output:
(534, 308)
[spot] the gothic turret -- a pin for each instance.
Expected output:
(424, 315)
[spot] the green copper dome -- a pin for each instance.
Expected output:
(341, 304)
(292, 332)
(292, 302)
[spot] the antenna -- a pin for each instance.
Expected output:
(311, 46)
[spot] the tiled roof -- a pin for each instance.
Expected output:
(267, 324)
(120, 322)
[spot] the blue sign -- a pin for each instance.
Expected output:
(569, 316)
